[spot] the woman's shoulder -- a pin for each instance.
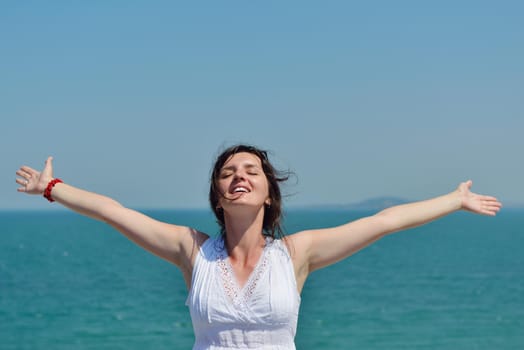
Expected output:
(211, 247)
(298, 239)
(297, 246)
(287, 244)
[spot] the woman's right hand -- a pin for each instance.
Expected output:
(33, 181)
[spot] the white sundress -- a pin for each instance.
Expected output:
(262, 314)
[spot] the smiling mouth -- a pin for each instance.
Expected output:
(240, 189)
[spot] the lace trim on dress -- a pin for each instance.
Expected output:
(240, 296)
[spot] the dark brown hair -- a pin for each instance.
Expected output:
(273, 212)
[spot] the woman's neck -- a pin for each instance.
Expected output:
(243, 235)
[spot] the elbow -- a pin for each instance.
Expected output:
(387, 222)
(108, 210)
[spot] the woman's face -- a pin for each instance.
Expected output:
(242, 181)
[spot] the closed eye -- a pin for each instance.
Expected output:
(225, 175)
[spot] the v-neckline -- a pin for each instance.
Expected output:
(240, 294)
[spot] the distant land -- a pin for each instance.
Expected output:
(379, 203)
(376, 203)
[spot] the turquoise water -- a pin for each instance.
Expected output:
(67, 282)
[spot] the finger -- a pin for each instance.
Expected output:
(28, 169)
(48, 168)
(26, 176)
(491, 210)
(23, 173)
(496, 206)
(48, 161)
(28, 172)
(23, 184)
(493, 204)
(488, 198)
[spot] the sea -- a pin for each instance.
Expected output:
(69, 282)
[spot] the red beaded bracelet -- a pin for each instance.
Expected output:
(49, 188)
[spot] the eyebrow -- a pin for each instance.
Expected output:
(247, 166)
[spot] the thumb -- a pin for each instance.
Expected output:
(464, 187)
(48, 167)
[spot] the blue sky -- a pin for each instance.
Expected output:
(360, 99)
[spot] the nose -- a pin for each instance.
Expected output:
(239, 175)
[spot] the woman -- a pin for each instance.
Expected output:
(244, 286)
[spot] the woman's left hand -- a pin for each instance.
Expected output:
(476, 203)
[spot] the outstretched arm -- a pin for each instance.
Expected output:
(327, 246)
(171, 242)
